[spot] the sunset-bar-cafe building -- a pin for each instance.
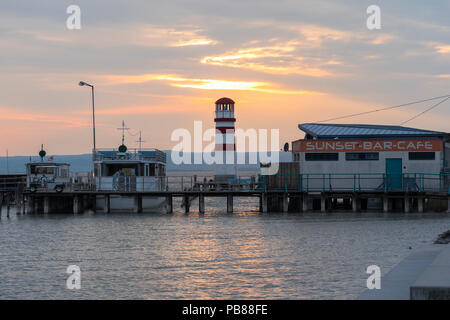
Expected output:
(372, 157)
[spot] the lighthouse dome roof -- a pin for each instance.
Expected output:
(224, 101)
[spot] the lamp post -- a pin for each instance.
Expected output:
(81, 84)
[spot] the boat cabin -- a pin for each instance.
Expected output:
(47, 176)
(130, 170)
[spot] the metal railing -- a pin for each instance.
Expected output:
(310, 182)
(148, 154)
(358, 182)
(11, 183)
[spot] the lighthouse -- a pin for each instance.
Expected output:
(225, 139)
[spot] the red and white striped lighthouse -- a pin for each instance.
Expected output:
(225, 120)
(225, 140)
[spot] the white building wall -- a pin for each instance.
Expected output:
(365, 174)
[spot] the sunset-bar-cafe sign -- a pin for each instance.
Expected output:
(375, 145)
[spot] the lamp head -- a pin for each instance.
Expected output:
(82, 83)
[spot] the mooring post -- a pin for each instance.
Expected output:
(169, 203)
(137, 203)
(407, 204)
(420, 204)
(201, 203)
(106, 206)
(229, 202)
(385, 204)
(46, 205)
(323, 198)
(285, 202)
(76, 204)
(263, 202)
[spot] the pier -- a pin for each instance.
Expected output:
(425, 193)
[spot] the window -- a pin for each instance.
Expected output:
(322, 156)
(421, 156)
(357, 156)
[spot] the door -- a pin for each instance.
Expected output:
(394, 174)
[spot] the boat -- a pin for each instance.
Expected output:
(129, 170)
(47, 176)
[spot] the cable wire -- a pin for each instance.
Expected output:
(421, 113)
(387, 108)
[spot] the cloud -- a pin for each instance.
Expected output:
(443, 76)
(443, 49)
(275, 59)
(12, 114)
(203, 84)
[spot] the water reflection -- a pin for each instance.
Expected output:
(244, 255)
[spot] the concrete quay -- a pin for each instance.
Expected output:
(423, 275)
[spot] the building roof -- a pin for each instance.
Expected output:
(331, 131)
(224, 101)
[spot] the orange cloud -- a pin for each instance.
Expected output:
(15, 115)
(443, 49)
(445, 76)
(275, 59)
(204, 84)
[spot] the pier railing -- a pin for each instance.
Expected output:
(311, 182)
(10, 183)
(358, 182)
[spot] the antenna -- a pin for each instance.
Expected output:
(140, 141)
(123, 131)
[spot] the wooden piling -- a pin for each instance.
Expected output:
(448, 205)
(323, 199)
(285, 202)
(76, 204)
(46, 205)
(169, 203)
(420, 204)
(305, 202)
(229, 203)
(137, 203)
(355, 203)
(407, 204)
(187, 203)
(201, 203)
(107, 205)
(385, 204)
(263, 202)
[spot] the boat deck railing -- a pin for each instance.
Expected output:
(147, 154)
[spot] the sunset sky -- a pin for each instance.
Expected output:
(160, 65)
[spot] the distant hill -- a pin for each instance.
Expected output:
(83, 162)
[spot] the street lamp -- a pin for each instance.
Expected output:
(81, 84)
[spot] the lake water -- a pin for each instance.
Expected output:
(244, 255)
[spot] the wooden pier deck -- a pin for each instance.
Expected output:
(269, 201)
